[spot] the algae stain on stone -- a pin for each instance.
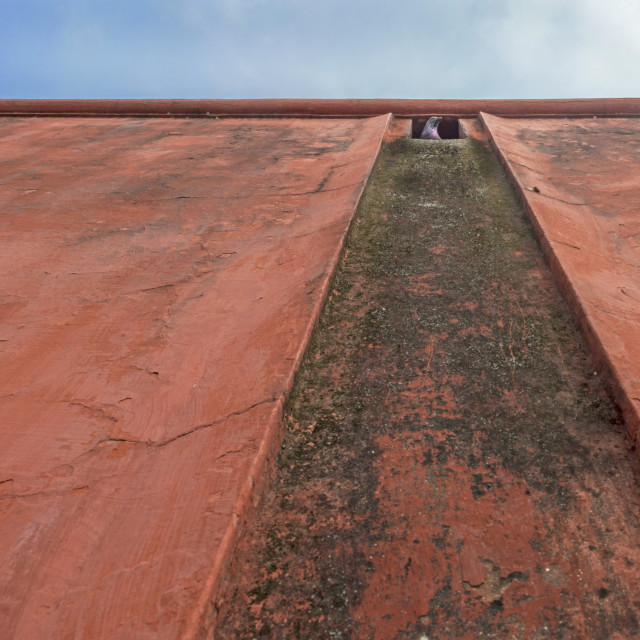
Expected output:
(441, 286)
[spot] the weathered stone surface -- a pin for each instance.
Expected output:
(581, 184)
(452, 468)
(159, 281)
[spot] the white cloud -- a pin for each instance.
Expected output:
(567, 47)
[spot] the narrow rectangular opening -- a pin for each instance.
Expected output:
(448, 127)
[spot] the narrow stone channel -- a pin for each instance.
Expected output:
(452, 467)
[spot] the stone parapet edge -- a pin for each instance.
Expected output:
(299, 108)
(202, 621)
(596, 347)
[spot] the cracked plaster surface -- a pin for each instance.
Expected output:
(159, 285)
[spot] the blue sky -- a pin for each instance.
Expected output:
(319, 48)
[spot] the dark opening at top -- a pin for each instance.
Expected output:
(448, 128)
